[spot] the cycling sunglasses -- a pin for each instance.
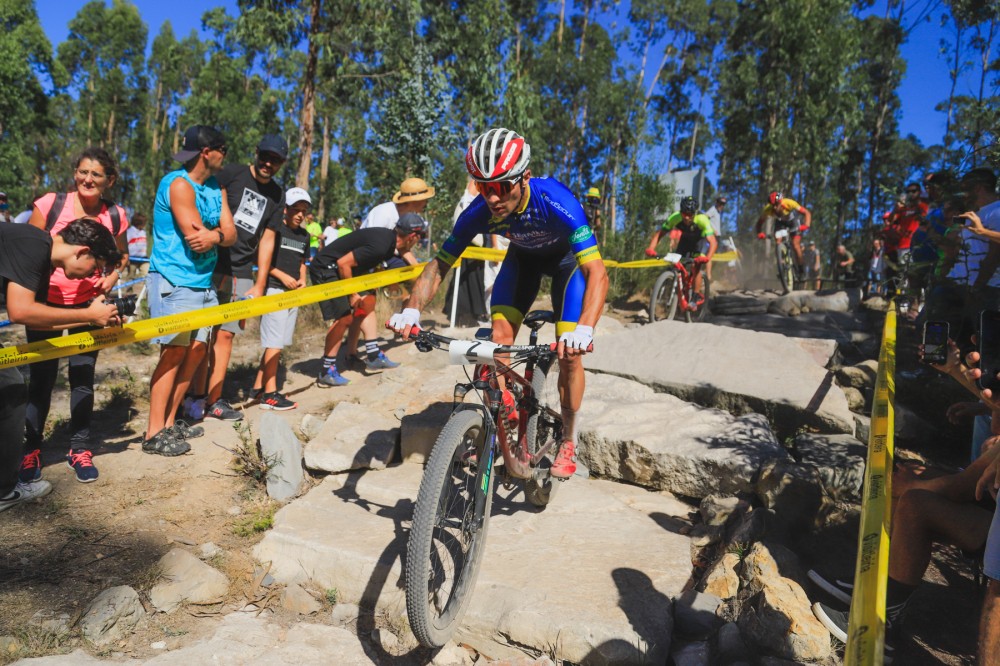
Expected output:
(501, 188)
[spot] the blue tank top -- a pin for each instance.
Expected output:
(172, 257)
(550, 221)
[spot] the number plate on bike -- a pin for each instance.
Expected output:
(781, 233)
(672, 258)
(470, 352)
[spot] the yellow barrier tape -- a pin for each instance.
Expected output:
(866, 627)
(173, 324)
(483, 253)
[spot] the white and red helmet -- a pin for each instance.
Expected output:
(499, 154)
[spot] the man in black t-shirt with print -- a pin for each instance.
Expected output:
(256, 202)
(352, 255)
(28, 256)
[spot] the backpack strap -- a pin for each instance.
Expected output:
(57, 208)
(60, 202)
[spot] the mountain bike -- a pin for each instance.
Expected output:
(451, 516)
(786, 260)
(674, 292)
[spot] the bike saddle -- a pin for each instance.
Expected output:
(538, 318)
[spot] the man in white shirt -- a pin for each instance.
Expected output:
(411, 198)
(714, 215)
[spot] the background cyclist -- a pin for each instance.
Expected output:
(549, 235)
(690, 233)
(783, 211)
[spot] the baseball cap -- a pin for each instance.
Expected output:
(295, 195)
(273, 143)
(412, 223)
(196, 139)
(720, 200)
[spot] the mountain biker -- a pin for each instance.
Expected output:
(690, 231)
(549, 235)
(782, 211)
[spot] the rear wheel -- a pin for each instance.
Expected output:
(663, 298)
(448, 536)
(786, 268)
(541, 429)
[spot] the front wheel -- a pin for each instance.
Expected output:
(448, 536)
(786, 268)
(541, 429)
(699, 314)
(663, 299)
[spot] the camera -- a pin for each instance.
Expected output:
(125, 305)
(959, 220)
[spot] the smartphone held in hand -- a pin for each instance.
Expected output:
(936, 342)
(989, 350)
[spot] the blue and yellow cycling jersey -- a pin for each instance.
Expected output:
(550, 221)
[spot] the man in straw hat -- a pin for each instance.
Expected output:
(411, 198)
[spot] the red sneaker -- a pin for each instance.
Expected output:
(564, 465)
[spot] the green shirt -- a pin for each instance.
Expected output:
(315, 230)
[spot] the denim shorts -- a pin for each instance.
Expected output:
(991, 560)
(166, 299)
(226, 287)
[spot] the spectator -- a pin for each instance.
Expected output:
(843, 266)
(412, 197)
(356, 222)
(315, 231)
(5, 208)
(191, 219)
(330, 234)
(356, 254)
(287, 272)
(876, 269)
(592, 209)
(135, 237)
(251, 192)
(94, 174)
(27, 258)
(342, 227)
(714, 215)
(810, 264)
(471, 282)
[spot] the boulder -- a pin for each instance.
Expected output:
(775, 613)
(418, 432)
(283, 450)
(839, 461)
(353, 437)
(736, 370)
(349, 533)
(111, 615)
(861, 376)
(855, 399)
(686, 449)
(186, 579)
(297, 600)
(310, 426)
(729, 644)
(695, 614)
(722, 581)
(53, 622)
(697, 653)
(794, 492)
(716, 510)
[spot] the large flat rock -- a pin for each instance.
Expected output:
(589, 579)
(633, 434)
(732, 369)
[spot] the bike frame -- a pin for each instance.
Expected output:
(687, 280)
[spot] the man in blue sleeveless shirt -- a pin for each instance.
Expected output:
(190, 219)
(549, 235)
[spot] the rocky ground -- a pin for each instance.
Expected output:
(695, 504)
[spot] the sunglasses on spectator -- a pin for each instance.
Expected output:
(501, 188)
(222, 149)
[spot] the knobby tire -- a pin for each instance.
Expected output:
(448, 535)
(541, 488)
(663, 302)
(786, 268)
(699, 314)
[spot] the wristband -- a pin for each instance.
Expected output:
(222, 236)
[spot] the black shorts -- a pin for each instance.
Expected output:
(333, 308)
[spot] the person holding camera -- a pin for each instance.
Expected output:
(28, 257)
(94, 174)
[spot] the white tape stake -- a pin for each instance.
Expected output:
(470, 352)
(454, 296)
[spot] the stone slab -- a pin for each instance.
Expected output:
(729, 368)
(353, 437)
(350, 531)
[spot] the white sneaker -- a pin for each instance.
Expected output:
(24, 492)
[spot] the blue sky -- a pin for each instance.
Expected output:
(925, 84)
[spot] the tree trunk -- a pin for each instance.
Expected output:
(324, 169)
(308, 116)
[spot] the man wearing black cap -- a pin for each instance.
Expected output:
(352, 255)
(256, 202)
(191, 219)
